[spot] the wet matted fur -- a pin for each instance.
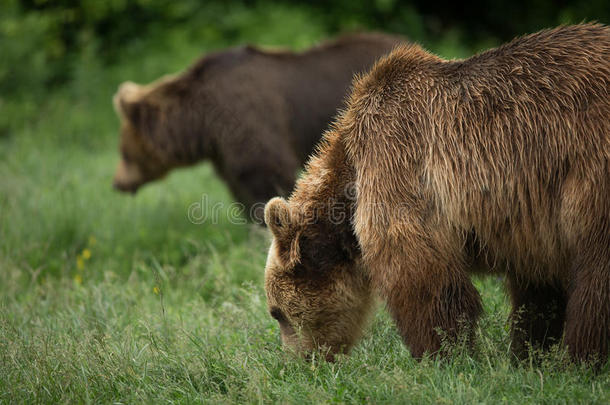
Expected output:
(440, 168)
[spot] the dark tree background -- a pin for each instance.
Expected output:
(40, 38)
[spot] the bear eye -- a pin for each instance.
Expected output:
(277, 314)
(125, 156)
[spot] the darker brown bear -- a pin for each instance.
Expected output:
(440, 167)
(257, 115)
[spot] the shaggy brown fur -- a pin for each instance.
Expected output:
(439, 167)
(257, 115)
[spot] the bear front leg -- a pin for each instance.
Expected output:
(430, 297)
(587, 333)
(258, 172)
(254, 187)
(537, 316)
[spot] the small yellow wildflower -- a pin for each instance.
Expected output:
(156, 290)
(78, 279)
(92, 241)
(80, 263)
(86, 254)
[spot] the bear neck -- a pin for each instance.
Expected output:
(180, 132)
(327, 191)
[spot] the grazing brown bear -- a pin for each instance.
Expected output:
(440, 167)
(257, 115)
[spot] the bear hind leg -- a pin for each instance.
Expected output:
(588, 311)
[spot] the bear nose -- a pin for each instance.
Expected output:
(125, 188)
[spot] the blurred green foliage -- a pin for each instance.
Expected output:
(41, 39)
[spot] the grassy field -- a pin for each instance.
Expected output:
(106, 298)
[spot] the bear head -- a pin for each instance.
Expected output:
(148, 126)
(316, 286)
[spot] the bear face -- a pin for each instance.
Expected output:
(141, 161)
(316, 287)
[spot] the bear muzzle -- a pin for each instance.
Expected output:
(125, 188)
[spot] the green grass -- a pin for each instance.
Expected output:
(164, 310)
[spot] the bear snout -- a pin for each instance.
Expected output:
(124, 187)
(128, 177)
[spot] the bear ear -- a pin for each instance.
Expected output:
(132, 111)
(279, 219)
(277, 216)
(128, 103)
